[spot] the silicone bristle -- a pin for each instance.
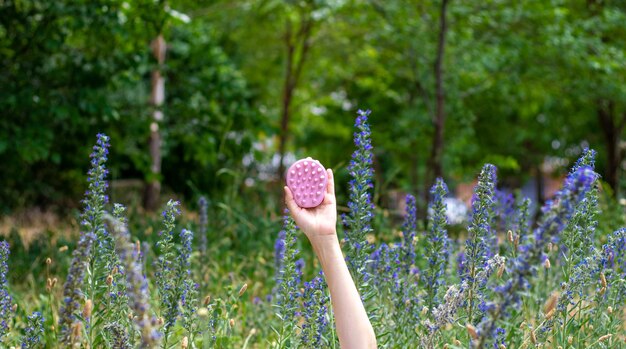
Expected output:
(307, 180)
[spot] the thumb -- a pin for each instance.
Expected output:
(290, 202)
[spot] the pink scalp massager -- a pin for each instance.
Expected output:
(307, 180)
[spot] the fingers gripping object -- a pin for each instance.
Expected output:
(307, 180)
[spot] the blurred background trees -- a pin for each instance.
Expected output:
(248, 82)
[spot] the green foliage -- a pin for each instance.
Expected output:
(522, 80)
(72, 68)
(211, 123)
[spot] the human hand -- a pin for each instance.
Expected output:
(318, 223)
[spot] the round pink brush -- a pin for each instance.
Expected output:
(307, 181)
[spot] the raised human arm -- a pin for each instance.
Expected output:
(320, 226)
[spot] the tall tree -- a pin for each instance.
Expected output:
(439, 118)
(610, 110)
(297, 39)
(612, 122)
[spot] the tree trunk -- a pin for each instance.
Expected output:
(539, 187)
(153, 186)
(612, 126)
(284, 130)
(285, 114)
(297, 45)
(435, 168)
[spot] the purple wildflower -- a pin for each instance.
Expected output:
(521, 227)
(315, 302)
(409, 228)
(203, 229)
(186, 239)
(118, 336)
(358, 221)
(299, 268)
(437, 243)
(288, 287)
(454, 299)
(5, 298)
(557, 213)
(613, 262)
(581, 258)
(95, 200)
(168, 273)
(461, 264)
(504, 210)
(92, 227)
(481, 242)
(614, 252)
(189, 293)
(587, 158)
(378, 262)
(279, 253)
(136, 284)
(33, 331)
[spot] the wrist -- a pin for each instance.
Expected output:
(326, 248)
(323, 241)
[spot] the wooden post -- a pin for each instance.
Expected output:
(157, 96)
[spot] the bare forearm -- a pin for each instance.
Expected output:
(353, 326)
(319, 224)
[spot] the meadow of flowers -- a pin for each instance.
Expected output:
(508, 280)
